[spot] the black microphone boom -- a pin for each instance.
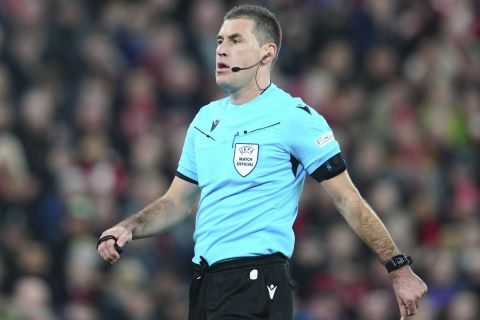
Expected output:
(236, 69)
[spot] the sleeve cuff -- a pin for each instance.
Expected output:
(184, 177)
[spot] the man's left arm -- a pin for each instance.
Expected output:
(409, 288)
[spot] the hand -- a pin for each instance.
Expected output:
(107, 249)
(409, 289)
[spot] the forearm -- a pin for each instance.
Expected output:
(156, 218)
(368, 226)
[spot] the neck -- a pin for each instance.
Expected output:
(253, 90)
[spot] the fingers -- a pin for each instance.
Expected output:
(107, 251)
(110, 248)
(412, 304)
(123, 238)
(403, 309)
(409, 289)
(408, 307)
(411, 307)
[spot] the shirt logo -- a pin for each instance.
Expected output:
(245, 157)
(304, 108)
(271, 290)
(325, 139)
(214, 124)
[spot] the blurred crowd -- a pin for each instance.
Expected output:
(95, 99)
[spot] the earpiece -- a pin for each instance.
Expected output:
(266, 56)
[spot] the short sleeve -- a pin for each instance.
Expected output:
(187, 165)
(308, 137)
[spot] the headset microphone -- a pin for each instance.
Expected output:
(236, 69)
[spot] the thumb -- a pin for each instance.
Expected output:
(124, 237)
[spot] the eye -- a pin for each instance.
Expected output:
(219, 41)
(235, 41)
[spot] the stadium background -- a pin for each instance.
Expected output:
(95, 97)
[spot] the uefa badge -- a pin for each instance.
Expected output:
(245, 157)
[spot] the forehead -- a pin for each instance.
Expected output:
(242, 26)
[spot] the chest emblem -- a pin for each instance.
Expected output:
(245, 157)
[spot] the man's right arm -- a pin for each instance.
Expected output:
(164, 213)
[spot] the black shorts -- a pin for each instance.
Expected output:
(257, 288)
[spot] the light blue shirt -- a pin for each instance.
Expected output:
(250, 162)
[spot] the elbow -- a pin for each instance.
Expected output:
(175, 208)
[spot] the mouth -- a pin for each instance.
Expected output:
(221, 66)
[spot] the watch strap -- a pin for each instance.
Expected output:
(397, 262)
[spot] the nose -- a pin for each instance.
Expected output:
(221, 50)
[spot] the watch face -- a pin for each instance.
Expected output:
(399, 260)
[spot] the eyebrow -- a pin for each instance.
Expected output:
(231, 37)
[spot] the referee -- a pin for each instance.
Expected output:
(246, 156)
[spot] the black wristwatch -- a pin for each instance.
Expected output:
(397, 262)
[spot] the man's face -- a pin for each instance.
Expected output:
(237, 47)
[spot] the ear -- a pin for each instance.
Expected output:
(270, 55)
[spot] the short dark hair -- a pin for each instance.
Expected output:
(267, 28)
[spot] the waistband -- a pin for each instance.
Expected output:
(235, 263)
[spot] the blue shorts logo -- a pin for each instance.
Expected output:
(245, 157)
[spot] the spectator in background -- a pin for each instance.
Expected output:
(31, 300)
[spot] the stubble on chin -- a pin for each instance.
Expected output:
(225, 85)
